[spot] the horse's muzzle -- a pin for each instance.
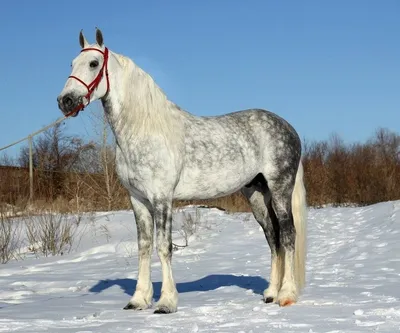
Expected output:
(68, 103)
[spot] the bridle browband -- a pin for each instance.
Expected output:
(94, 84)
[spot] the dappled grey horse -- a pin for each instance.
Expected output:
(165, 153)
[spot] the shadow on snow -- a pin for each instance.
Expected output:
(207, 283)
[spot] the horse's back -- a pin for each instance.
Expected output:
(250, 133)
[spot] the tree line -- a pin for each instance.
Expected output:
(81, 175)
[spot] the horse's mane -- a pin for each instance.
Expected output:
(124, 61)
(145, 106)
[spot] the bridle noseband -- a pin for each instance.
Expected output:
(94, 84)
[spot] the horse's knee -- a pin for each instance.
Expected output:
(145, 246)
(164, 248)
(163, 222)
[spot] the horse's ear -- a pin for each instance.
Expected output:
(99, 37)
(82, 40)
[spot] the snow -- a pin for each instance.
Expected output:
(353, 275)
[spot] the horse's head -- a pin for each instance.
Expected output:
(89, 77)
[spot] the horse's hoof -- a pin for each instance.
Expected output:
(286, 302)
(131, 306)
(164, 310)
(269, 300)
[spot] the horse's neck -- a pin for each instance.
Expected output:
(137, 108)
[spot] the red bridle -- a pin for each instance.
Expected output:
(94, 84)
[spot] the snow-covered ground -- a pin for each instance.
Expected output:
(353, 278)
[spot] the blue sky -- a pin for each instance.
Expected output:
(325, 66)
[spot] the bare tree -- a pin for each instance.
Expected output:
(7, 160)
(98, 168)
(54, 154)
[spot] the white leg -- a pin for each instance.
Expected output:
(142, 298)
(281, 199)
(275, 281)
(288, 293)
(168, 302)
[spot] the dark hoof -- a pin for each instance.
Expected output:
(131, 306)
(269, 300)
(163, 310)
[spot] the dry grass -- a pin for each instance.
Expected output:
(51, 232)
(10, 233)
(233, 203)
(10, 239)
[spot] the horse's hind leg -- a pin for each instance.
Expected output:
(281, 192)
(259, 197)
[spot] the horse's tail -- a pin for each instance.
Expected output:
(299, 211)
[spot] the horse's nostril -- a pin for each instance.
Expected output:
(67, 101)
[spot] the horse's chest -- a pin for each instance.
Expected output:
(133, 169)
(145, 169)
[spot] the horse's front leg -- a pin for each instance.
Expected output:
(168, 302)
(143, 295)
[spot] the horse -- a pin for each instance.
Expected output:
(164, 153)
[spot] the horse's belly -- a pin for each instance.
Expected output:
(196, 183)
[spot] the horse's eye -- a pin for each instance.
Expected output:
(94, 64)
